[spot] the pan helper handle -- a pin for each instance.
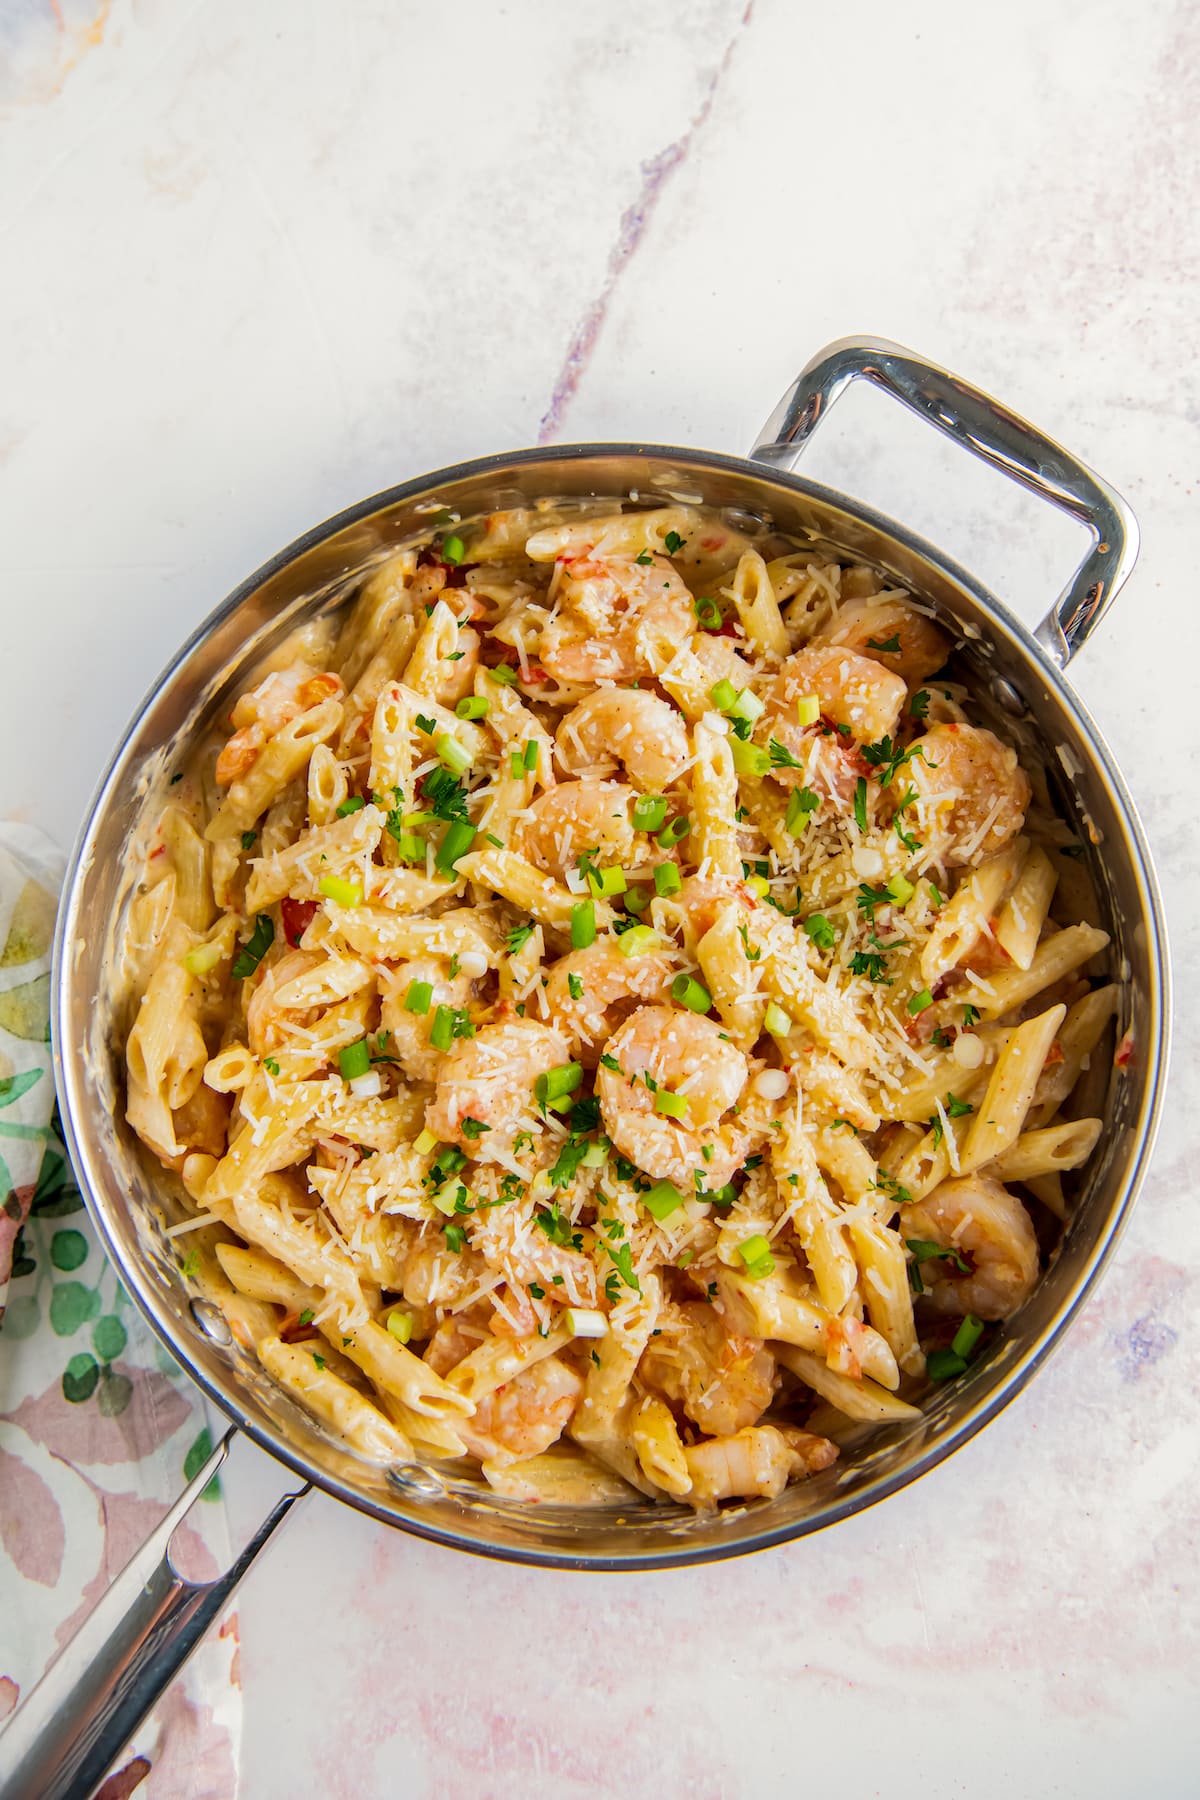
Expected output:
(70, 1727)
(994, 434)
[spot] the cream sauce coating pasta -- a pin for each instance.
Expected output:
(609, 997)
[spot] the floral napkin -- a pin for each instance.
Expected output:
(99, 1429)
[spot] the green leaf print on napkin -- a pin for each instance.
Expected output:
(25, 1011)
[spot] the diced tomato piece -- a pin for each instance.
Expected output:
(297, 916)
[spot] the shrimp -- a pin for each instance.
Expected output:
(872, 626)
(626, 725)
(263, 1009)
(758, 1460)
(408, 1038)
(990, 1229)
(850, 689)
(456, 678)
(723, 1382)
(524, 1416)
(259, 714)
(721, 660)
(612, 614)
(609, 986)
(971, 792)
(577, 817)
(691, 1058)
(490, 1078)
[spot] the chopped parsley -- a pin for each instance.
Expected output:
(871, 964)
(319, 1360)
(445, 796)
(306, 1317)
(860, 802)
(910, 842)
(894, 1189)
(781, 756)
(886, 757)
(644, 558)
(517, 939)
(270, 1065)
(918, 706)
(970, 1017)
(248, 837)
(558, 1229)
(474, 1128)
(622, 1259)
(611, 1063)
(456, 1237)
(674, 542)
(575, 986)
(252, 952)
(889, 646)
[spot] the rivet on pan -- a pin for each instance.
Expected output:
(1005, 695)
(410, 1478)
(212, 1321)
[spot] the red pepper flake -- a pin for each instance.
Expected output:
(297, 916)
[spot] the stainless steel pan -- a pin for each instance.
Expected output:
(65, 1734)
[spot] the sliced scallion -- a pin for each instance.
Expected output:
(638, 941)
(354, 1060)
(441, 1032)
(451, 754)
(749, 759)
(689, 992)
(419, 997)
(341, 892)
(400, 1325)
(459, 837)
(776, 1020)
(662, 1200)
(471, 707)
(667, 879)
(649, 812)
(808, 709)
(583, 925)
(672, 1106)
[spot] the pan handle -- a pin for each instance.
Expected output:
(69, 1729)
(990, 432)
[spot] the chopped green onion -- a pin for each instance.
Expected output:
(777, 1021)
(453, 550)
(596, 1155)
(400, 1325)
(755, 1253)
(674, 833)
(342, 893)
(723, 696)
(649, 812)
(248, 837)
(667, 879)
(708, 614)
(504, 674)
(801, 802)
(451, 754)
(419, 820)
(638, 941)
(942, 1365)
(516, 764)
(606, 883)
(354, 1060)
(758, 885)
(202, 958)
(967, 1336)
(586, 1322)
(411, 847)
(749, 759)
(691, 993)
(901, 890)
(673, 1106)
(637, 899)
(808, 709)
(747, 706)
(252, 952)
(354, 804)
(583, 925)
(471, 708)
(426, 1142)
(457, 841)
(419, 997)
(819, 929)
(448, 1196)
(441, 1032)
(557, 1083)
(919, 1002)
(530, 758)
(662, 1200)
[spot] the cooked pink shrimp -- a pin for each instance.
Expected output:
(526, 1415)
(721, 660)
(456, 678)
(891, 633)
(576, 818)
(990, 1229)
(491, 1077)
(609, 986)
(624, 725)
(613, 612)
(849, 689)
(408, 1031)
(721, 1381)
(691, 1059)
(259, 714)
(758, 1460)
(966, 779)
(262, 1008)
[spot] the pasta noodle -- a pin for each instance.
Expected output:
(614, 1008)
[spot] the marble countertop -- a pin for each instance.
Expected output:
(261, 260)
